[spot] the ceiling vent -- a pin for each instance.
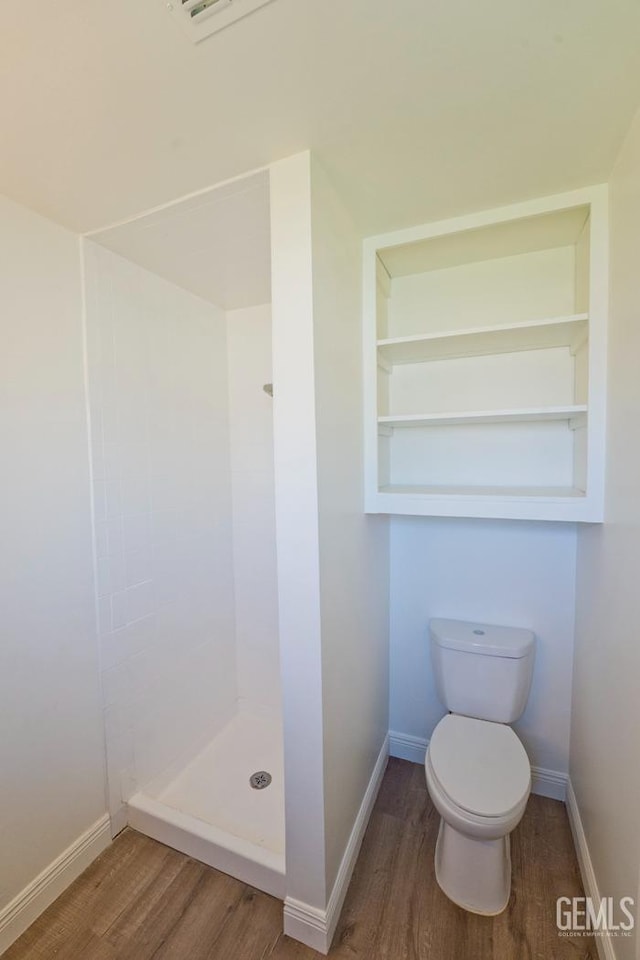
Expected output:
(201, 18)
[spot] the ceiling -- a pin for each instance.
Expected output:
(418, 109)
(217, 244)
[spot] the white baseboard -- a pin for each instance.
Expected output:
(311, 925)
(549, 783)
(54, 879)
(405, 747)
(307, 924)
(544, 783)
(603, 944)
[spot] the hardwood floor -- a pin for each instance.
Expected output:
(143, 901)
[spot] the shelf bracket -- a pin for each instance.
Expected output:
(579, 343)
(383, 279)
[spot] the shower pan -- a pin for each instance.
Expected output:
(212, 811)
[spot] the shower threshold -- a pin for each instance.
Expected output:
(209, 810)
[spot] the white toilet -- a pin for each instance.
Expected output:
(478, 774)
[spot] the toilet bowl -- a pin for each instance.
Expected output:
(479, 778)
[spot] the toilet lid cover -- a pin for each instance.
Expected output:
(482, 766)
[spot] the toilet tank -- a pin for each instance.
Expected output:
(481, 670)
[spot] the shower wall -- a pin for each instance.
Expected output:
(253, 494)
(157, 364)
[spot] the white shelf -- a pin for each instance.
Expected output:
(571, 331)
(553, 493)
(503, 238)
(511, 424)
(575, 414)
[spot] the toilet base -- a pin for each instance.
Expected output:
(474, 874)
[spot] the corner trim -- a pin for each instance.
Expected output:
(311, 925)
(544, 783)
(604, 945)
(21, 912)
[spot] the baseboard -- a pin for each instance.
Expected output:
(544, 783)
(315, 927)
(549, 783)
(603, 944)
(54, 879)
(307, 924)
(343, 878)
(405, 747)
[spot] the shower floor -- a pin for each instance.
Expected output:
(210, 811)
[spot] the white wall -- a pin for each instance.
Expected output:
(332, 560)
(295, 462)
(605, 731)
(51, 749)
(253, 493)
(160, 439)
(354, 547)
(484, 292)
(504, 572)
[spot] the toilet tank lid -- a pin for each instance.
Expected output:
(482, 638)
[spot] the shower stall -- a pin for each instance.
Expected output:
(178, 354)
(241, 591)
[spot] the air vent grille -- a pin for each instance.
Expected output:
(201, 6)
(201, 18)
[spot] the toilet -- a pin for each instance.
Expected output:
(478, 773)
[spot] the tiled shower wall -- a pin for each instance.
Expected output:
(254, 521)
(157, 366)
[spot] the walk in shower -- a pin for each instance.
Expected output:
(178, 357)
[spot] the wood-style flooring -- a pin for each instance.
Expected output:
(141, 900)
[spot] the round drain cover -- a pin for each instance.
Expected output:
(260, 780)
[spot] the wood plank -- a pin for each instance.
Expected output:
(224, 918)
(75, 944)
(203, 922)
(370, 895)
(400, 780)
(97, 897)
(142, 929)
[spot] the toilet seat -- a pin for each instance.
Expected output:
(481, 767)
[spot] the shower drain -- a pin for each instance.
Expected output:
(260, 780)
